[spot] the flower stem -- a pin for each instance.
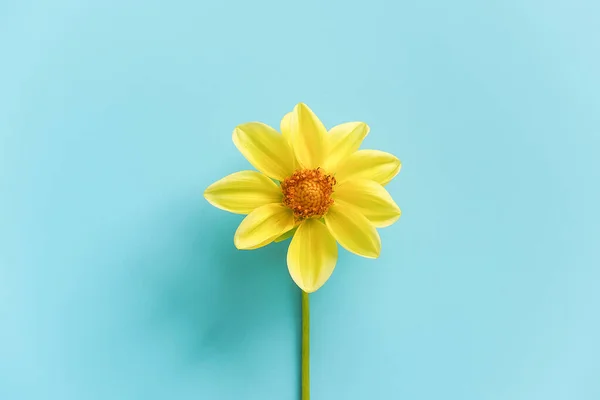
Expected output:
(305, 347)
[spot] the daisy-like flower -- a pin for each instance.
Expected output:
(314, 186)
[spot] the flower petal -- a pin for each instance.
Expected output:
(286, 235)
(265, 149)
(285, 127)
(344, 139)
(262, 226)
(261, 244)
(353, 231)
(242, 192)
(312, 255)
(369, 164)
(371, 199)
(308, 137)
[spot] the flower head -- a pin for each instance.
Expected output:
(315, 186)
(308, 193)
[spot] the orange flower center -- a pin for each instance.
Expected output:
(308, 193)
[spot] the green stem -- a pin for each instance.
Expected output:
(305, 347)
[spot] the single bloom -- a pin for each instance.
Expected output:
(312, 185)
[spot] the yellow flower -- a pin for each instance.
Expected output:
(314, 186)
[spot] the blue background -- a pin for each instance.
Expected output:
(119, 281)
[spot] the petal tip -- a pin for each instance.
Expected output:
(398, 166)
(305, 288)
(234, 136)
(208, 192)
(364, 127)
(373, 256)
(236, 242)
(215, 204)
(394, 172)
(303, 108)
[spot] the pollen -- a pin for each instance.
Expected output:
(308, 193)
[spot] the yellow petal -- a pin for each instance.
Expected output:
(286, 235)
(308, 137)
(262, 226)
(353, 231)
(312, 255)
(265, 149)
(371, 199)
(376, 165)
(285, 127)
(344, 140)
(262, 244)
(242, 192)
